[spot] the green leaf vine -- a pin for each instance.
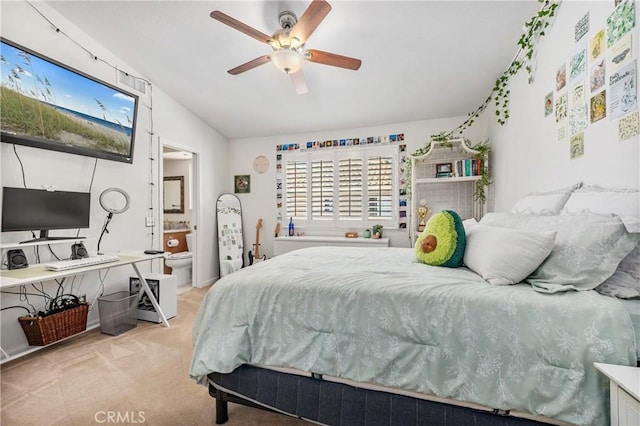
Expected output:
(483, 148)
(534, 28)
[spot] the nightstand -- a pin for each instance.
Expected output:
(624, 385)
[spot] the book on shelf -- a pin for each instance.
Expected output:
(466, 168)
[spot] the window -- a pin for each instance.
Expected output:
(321, 189)
(350, 188)
(380, 187)
(296, 188)
(345, 188)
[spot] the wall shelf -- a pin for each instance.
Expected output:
(45, 242)
(448, 180)
(456, 192)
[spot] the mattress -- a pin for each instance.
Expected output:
(377, 316)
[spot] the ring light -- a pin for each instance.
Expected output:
(109, 209)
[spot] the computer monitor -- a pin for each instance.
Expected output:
(44, 210)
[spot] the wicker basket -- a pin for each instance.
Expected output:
(41, 331)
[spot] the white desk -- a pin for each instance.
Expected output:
(38, 272)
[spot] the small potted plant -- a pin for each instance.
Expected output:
(377, 231)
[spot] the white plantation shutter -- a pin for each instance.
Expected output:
(296, 187)
(322, 189)
(350, 188)
(346, 188)
(380, 197)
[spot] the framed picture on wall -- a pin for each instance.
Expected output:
(242, 184)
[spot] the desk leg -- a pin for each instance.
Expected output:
(152, 298)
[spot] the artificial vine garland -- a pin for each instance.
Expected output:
(534, 28)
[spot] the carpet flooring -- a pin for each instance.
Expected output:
(139, 377)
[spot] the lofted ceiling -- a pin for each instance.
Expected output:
(420, 59)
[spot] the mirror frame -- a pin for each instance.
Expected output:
(218, 220)
(173, 178)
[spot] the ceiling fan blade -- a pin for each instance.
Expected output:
(249, 65)
(242, 27)
(310, 20)
(297, 78)
(333, 59)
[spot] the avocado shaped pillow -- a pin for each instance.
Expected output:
(443, 240)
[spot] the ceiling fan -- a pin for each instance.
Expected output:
(289, 53)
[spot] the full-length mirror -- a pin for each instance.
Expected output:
(173, 194)
(230, 238)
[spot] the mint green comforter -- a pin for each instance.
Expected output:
(375, 315)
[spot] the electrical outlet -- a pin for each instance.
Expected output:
(149, 221)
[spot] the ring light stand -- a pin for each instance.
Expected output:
(110, 210)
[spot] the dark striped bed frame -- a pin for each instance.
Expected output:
(331, 403)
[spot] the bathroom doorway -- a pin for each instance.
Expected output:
(179, 205)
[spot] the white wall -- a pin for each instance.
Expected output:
(261, 202)
(23, 25)
(527, 155)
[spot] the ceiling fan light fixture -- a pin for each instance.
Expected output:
(283, 40)
(288, 61)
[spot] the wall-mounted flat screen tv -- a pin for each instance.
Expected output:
(45, 104)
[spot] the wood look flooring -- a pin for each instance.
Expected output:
(140, 377)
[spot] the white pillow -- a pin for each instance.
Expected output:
(540, 204)
(468, 224)
(621, 285)
(504, 256)
(624, 203)
(544, 203)
(588, 248)
(625, 282)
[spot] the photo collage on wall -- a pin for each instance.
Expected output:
(598, 81)
(394, 139)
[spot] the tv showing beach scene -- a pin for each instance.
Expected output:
(45, 104)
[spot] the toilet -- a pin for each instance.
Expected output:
(180, 263)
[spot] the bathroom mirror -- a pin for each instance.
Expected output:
(230, 237)
(173, 194)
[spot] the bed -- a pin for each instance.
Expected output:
(371, 336)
